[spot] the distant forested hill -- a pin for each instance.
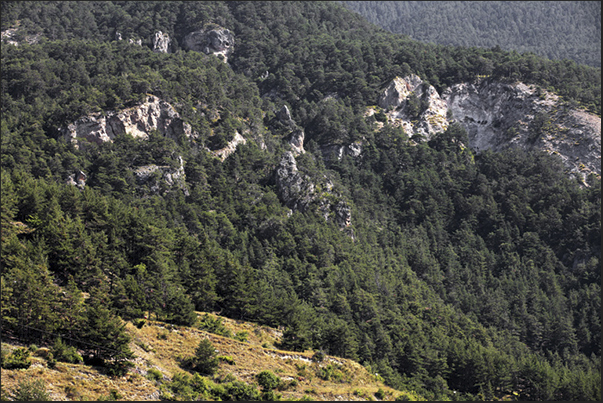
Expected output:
(554, 29)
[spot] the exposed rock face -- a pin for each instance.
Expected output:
(497, 116)
(339, 150)
(168, 177)
(300, 193)
(297, 135)
(78, 179)
(296, 141)
(161, 42)
(414, 105)
(292, 132)
(153, 114)
(295, 189)
(215, 41)
(397, 91)
(285, 116)
(8, 36)
(223, 153)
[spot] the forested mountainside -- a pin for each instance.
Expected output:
(553, 29)
(164, 157)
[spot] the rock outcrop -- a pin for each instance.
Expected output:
(496, 116)
(223, 153)
(162, 178)
(8, 36)
(211, 41)
(415, 106)
(297, 135)
(337, 151)
(77, 179)
(300, 193)
(153, 114)
(161, 43)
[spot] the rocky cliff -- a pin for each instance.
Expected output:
(162, 43)
(153, 114)
(496, 116)
(299, 192)
(415, 106)
(230, 148)
(162, 178)
(214, 41)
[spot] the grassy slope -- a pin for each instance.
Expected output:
(160, 346)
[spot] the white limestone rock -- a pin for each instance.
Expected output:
(153, 114)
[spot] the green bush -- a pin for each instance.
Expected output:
(139, 323)
(380, 394)
(319, 356)
(65, 353)
(18, 359)
(239, 390)
(271, 395)
(227, 359)
(118, 368)
(112, 396)
(31, 391)
(329, 373)
(214, 326)
(268, 381)
(204, 361)
(380, 117)
(154, 374)
(241, 336)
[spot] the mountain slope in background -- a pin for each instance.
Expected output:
(554, 29)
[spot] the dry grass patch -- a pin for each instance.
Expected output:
(160, 347)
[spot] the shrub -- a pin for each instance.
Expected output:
(18, 359)
(139, 323)
(329, 373)
(118, 368)
(271, 396)
(204, 361)
(181, 386)
(268, 381)
(214, 326)
(241, 336)
(154, 374)
(31, 391)
(33, 348)
(380, 394)
(239, 390)
(65, 353)
(227, 359)
(319, 356)
(112, 396)
(380, 117)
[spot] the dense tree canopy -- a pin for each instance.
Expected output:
(475, 274)
(553, 29)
